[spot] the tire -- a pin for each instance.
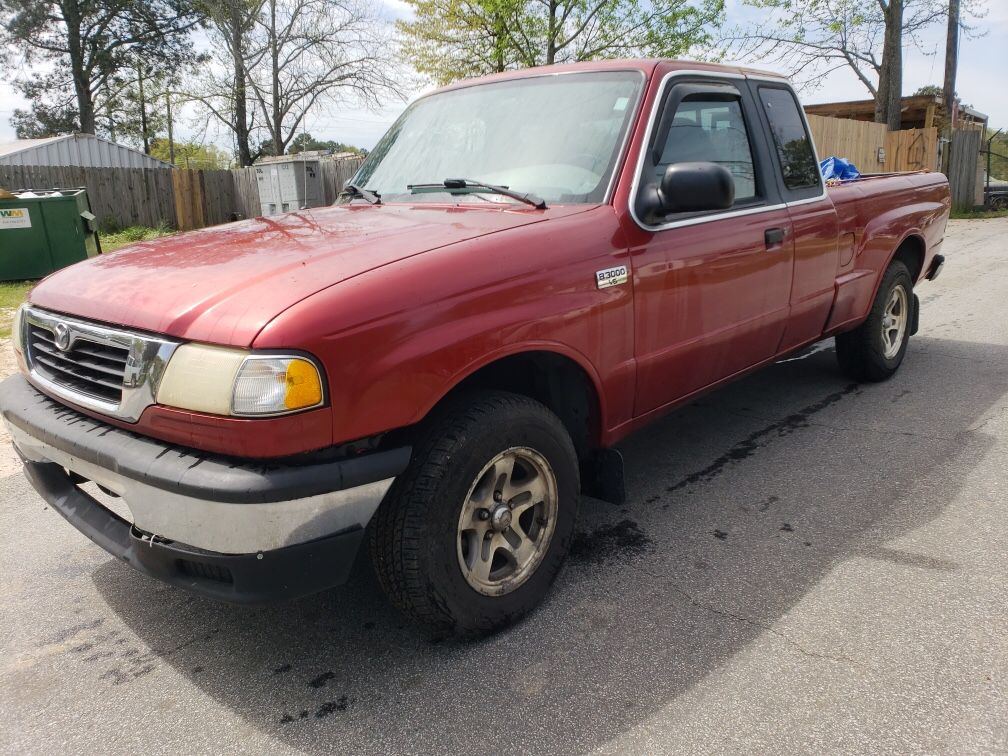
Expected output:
(874, 350)
(428, 536)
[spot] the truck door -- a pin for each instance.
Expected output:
(711, 289)
(813, 217)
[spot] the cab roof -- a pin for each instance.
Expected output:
(647, 66)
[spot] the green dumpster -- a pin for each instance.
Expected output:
(43, 231)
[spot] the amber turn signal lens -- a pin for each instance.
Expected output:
(304, 389)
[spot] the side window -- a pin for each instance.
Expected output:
(793, 146)
(711, 131)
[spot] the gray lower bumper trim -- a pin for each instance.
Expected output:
(201, 500)
(220, 526)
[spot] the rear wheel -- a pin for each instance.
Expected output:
(874, 350)
(472, 535)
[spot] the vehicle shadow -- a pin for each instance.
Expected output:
(738, 506)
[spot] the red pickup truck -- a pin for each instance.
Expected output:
(525, 269)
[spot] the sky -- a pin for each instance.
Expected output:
(981, 82)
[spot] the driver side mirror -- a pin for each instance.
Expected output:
(689, 187)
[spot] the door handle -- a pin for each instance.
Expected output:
(773, 237)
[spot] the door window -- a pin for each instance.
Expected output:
(794, 148)
(711, 131)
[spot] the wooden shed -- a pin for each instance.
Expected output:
(918, 112)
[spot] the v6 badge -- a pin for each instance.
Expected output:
(611, 277)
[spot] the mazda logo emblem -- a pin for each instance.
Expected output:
(62, 336)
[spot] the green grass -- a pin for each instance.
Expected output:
(12, 294)
(113, 241)
(978, 214)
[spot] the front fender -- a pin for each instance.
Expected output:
(396, 340)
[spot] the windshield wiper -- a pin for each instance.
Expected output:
(456, 185)
(353, 191)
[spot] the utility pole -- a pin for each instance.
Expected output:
(143, 110)
(171, 136)
(990, 146)
(951, 61)
(111, 120)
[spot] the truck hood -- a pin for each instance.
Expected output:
(223, 285)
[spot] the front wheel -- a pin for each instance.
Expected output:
(473, 533)
(874, 350)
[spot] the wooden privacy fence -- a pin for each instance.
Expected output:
(335, 175)
(856, 141)
(965, 174)
(912, 150)
(119, 197)
(187, 190)
(180, 198)
(208, 198)
(860, 142)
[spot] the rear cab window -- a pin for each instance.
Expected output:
(792, 143)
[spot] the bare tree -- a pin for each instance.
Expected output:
(890, 72)
(314, 54)
(222, 91)
(814, 38)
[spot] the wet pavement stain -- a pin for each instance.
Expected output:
(609, 543)
(126, 661)
(331, 707)
(321, 680)
(760, 438)
(341, 704)
(67, 633)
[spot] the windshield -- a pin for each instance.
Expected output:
(555, 136)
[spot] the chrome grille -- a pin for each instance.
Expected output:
(109, 370)
(86, 366)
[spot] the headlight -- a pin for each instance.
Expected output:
(223, 381)
(16, 335)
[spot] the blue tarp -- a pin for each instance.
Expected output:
(838, 168)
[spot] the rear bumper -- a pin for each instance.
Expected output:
(240, 530)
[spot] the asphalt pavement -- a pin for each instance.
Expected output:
(804, 565)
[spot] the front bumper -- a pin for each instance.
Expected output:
(237, 530)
